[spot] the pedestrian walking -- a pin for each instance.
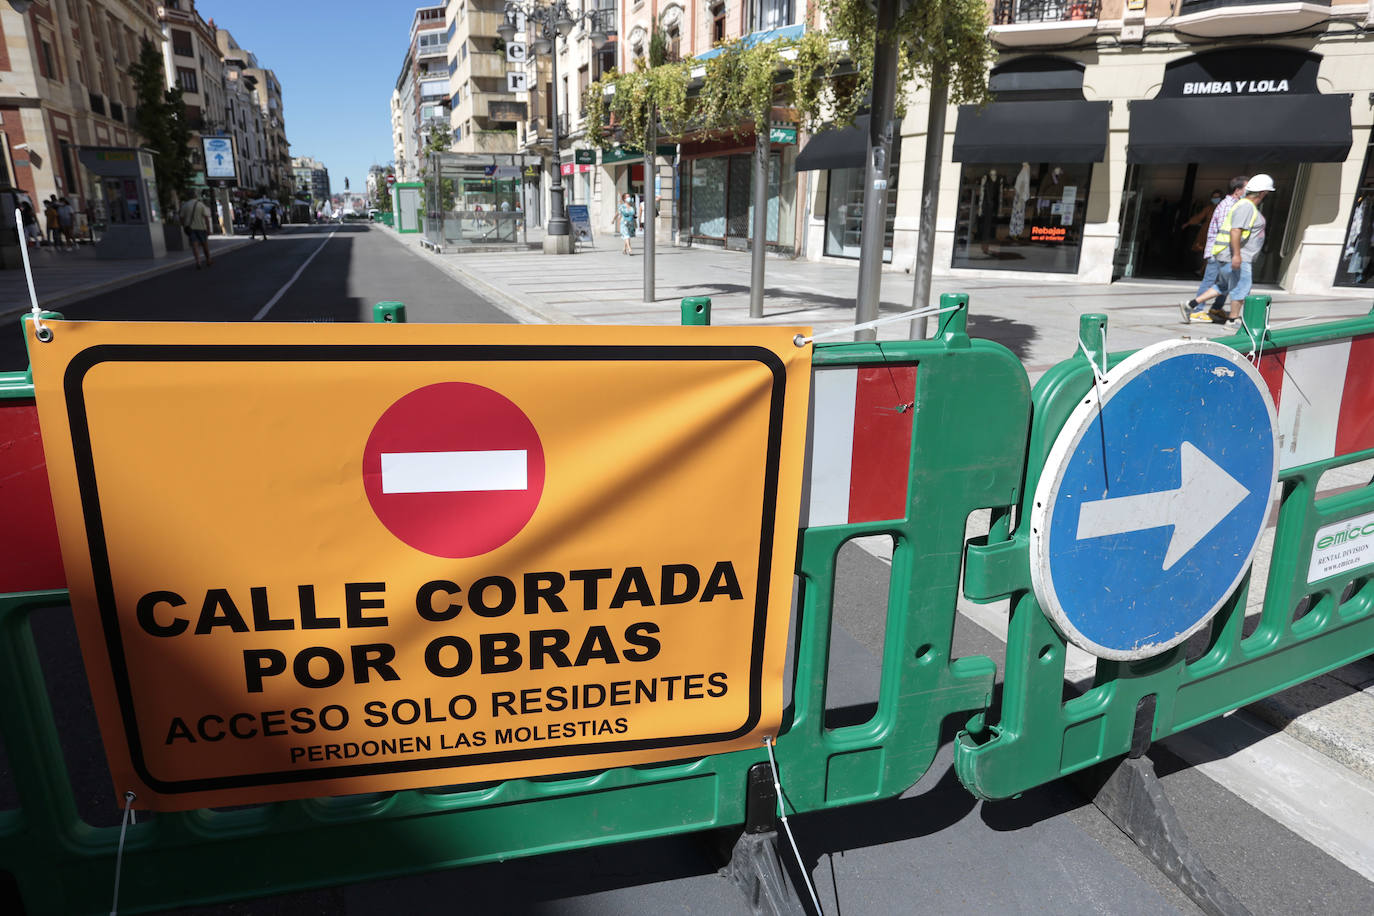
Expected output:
(259, 223)
(1210, 265)
(1239, 240)
(32, 236)
(66, 222)
(50, 221)
(626, 214)
(195, 222)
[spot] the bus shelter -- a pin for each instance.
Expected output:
(475, 199)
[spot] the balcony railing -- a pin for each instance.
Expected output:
(1196, 6)
(1015, 12)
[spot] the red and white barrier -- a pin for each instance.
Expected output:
(860, 444)
(1324, 394)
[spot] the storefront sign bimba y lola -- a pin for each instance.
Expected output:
(1242, 71)
(323, 559)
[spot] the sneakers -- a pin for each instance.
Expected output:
(1186, 309)
(1210, 316)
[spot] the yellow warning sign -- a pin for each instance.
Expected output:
(324, 559)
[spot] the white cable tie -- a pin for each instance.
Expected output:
(119, 854)
(1098, 374)
(1257, 346)
(1282, 324)
(787, 828)
(801, 341)
(42, 331)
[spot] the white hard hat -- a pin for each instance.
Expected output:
(1259, 183)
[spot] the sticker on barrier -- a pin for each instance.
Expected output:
(1152, 504)
(311, 560)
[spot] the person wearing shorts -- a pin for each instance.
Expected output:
(1239, 240)
(195, 220)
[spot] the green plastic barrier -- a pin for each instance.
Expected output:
(1303, 630)
(970, 404)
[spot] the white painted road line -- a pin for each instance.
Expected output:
(262, 312)
(455, 472)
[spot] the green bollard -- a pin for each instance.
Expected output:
(389, 311)
(696, 310)
(1092, 334)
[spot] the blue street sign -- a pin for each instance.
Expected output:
(1149, 509)
(219, 157)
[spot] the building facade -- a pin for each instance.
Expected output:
(483, 113)
(311, 179)
(248, 89)
(419, 103)
(1113, 125)
(1113, 121)
(194, 65)
(64, 85)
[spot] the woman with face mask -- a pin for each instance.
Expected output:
(1202, 218)
(626, 214)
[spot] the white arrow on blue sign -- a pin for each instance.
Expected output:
(1149, 508)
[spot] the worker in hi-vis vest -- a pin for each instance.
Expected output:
(1239, 238)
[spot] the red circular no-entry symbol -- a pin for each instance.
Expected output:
(454, 469)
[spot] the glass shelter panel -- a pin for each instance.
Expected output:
(473, 200)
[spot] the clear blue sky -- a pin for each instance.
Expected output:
(337, 61)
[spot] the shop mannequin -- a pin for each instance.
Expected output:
(1051, 187)
(1021, 193)
(990, 189)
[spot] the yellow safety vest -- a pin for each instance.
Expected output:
(1222, 244)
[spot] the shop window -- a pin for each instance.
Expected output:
(1163, 230)
(1356, 266)
(1021, 216)
(844, 211)
(719, 199)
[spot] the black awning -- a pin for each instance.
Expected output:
(1062, 130)
(844, 148)
(1249, 128)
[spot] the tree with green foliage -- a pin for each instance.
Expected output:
(382, 200)
(824, 75)
(161, 119)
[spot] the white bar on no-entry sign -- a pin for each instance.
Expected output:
(454, 472)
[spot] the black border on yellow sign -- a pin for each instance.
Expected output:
(83, 362)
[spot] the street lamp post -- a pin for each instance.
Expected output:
(545, 24)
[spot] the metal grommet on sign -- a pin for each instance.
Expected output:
(41, 330)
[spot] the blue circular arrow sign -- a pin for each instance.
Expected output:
(1150, 504)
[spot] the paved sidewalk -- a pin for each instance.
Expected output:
(66, 276)
(1036, 320)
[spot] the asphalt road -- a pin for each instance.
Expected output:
(935, 850)
(300, 273)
